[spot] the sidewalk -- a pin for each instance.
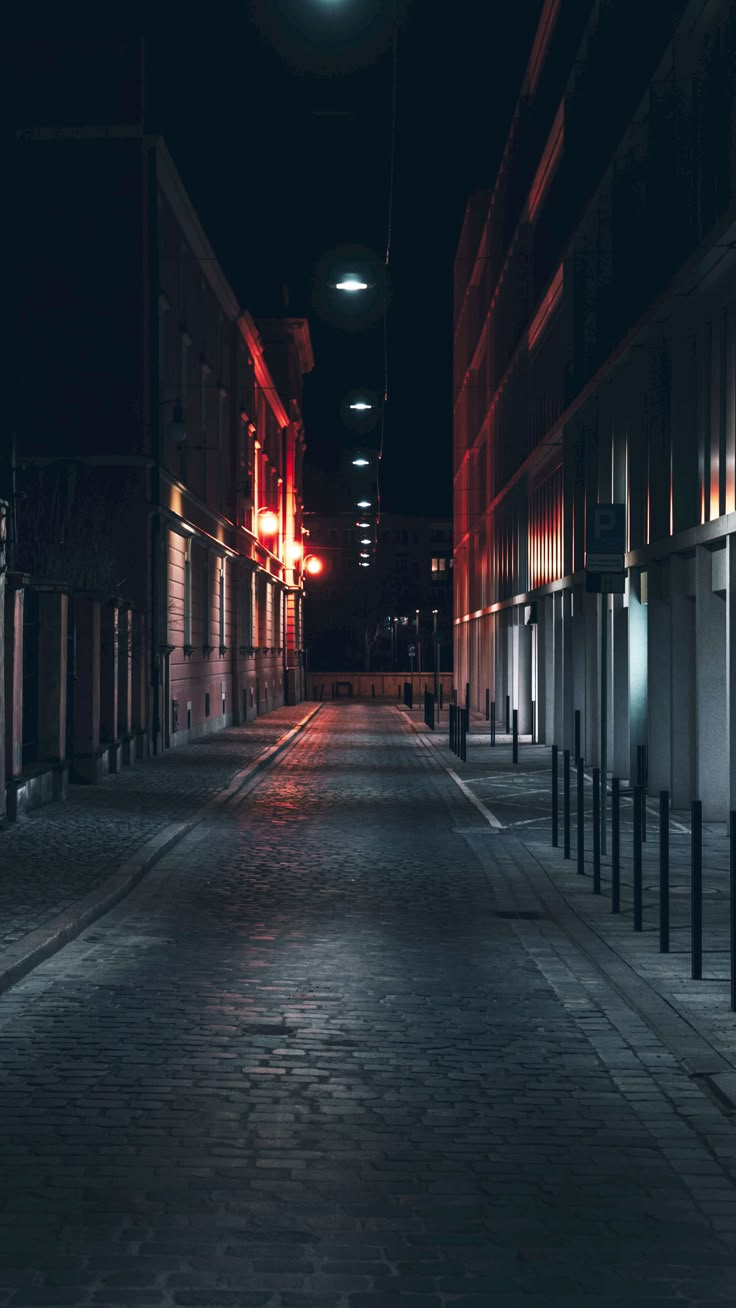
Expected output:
(67, 863)
(515, 804)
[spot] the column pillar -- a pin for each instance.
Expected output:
(619, 755)
(53, 634)
(659, 678)
(109, 659)
(731, 666)
(86, 709)
(591, 725)
(568, 679)
(713, 768)
(578, 654)
(682, 710)
(15, 584)
(637, 664)
(524, 672)
(125, 681)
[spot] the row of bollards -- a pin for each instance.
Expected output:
(458, 731)
(638, 837)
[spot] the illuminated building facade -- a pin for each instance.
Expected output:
(595, 362)
(157, 578)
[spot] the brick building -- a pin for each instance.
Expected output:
(595, 320)
(156, 577)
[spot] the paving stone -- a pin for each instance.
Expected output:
(477, 1115)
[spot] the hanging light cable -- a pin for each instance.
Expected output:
(392, 170)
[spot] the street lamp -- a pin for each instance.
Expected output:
(360, 461)
(364, 504)
(351, 282)
(361, 406)
(268, 522)
(313, 565)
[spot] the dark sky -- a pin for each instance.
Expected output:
(281, 129)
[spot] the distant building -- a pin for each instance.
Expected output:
(365, 618)
(156, 575)
(595, 321)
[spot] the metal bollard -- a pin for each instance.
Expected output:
(466, 723)
(596, 831)
(577, 734)
(664, 872)
(581, 818)
(696, 890)
(508, 714)
(488, 704)
(555, 800)
(732, 905)
(515, 736)
(441, 697)
(637, 859)
(615, 846)
(566, 801)
(467, 696)
(493, 722)
(450, 725)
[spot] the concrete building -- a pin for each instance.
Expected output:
(595, 321)
(156, 584)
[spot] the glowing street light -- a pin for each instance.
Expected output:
(361, 405)
(363, 525)
(364, 554)
(364, 565)
(364, 504)
(360, 462)
(351, 282)
(268, 522)
(294, 551)
(313, 565)
(366, 541)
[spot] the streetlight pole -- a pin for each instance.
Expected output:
(419, 646)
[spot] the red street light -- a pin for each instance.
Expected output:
(268, 522)
(313, 565)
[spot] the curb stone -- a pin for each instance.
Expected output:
(17, 960)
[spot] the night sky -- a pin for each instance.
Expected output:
(281, 129)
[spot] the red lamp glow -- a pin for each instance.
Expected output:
(313, 565)
(268, 522)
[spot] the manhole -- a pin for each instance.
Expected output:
(525, 914)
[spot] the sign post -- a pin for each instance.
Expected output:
(605, 547)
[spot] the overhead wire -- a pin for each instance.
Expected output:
(389, 226)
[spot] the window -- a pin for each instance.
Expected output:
(223, 563)
(245, 608)
(439, 567)
(188, 594)
(206, 599)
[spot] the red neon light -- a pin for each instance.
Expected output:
(541, 43)
(548, 162)
(546, 308)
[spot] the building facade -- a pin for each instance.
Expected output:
(595, 363)
(157, 569)
(386, 614)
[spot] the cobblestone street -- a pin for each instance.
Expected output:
(332, 1053)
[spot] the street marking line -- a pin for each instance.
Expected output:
(477, 803)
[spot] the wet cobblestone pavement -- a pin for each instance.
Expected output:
(59, 853)
(322, 1056)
